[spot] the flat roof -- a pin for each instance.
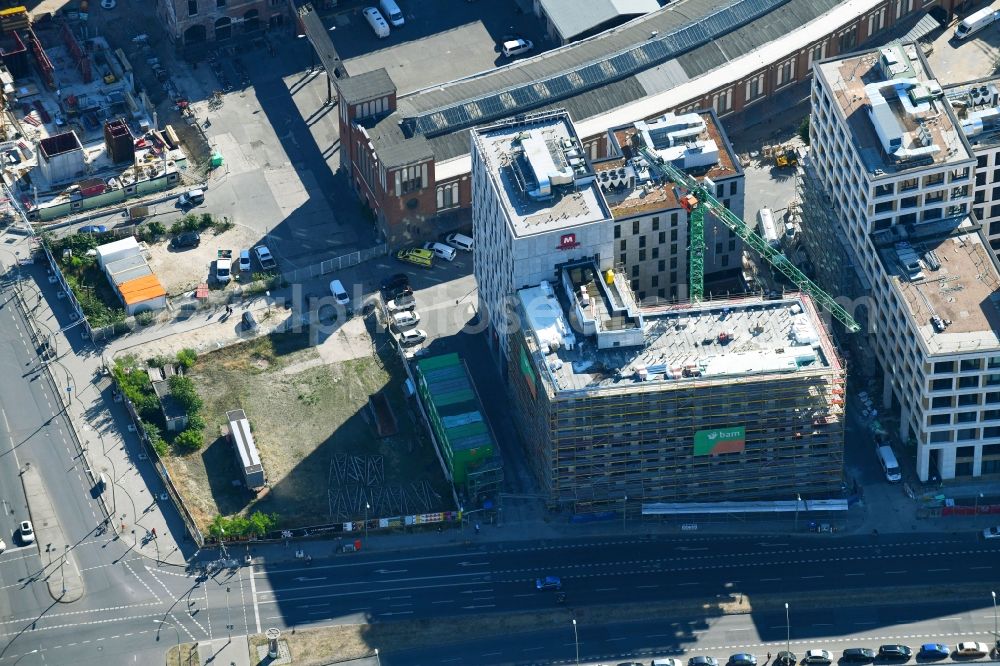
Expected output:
(239, 430)
(961, 291)
(976, 104)
(572, 17)
(543, 177)
(141, 289)
(716, 341)
(636, 197)
(455, 402)
(887, 96)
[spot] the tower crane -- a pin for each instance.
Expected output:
(699, 199)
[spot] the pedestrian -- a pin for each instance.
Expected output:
(154, 532)
(769, 656)
(477, 528)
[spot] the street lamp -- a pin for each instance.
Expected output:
(624, 513)
(63, 567)
(229, 614)
(798, 500)
(788, 631)
(996, 637)
(377, 660)
(367, 508)
(576, 641)
(978, 497)
(160, 624)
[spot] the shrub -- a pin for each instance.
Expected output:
(156, 439)
(190, 222)
(177, 228)
(190, 439)
(158, 361)
(145, 318)
(187, 358)
(206, 221)
(183, 391)
(804, 130)
(222, 226)
(257, 524)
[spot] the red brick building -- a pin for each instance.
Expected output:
(191, 22)
(408, 157)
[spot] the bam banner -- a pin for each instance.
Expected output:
(720, 440)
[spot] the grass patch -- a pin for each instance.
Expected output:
(97, 298)
(303, 412)
(185, 655)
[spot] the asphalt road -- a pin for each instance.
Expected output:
(467, 582)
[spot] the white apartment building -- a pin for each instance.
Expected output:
(650, 226)
(975, 103)
(899, 175)
(535, 205)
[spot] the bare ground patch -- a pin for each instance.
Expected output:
(303, 413)
(182, 270)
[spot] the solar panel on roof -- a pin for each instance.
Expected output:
(611, 68)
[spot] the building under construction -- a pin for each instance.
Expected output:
(722, 400)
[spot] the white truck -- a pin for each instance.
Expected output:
(973, 23)
(223, 266)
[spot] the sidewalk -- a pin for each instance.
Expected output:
(134, 498)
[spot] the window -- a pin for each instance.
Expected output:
(965, 417)
(635, 227)
(993, 362)
(818, 53)
(786, 72)
(848, 39)
(642, 255)
(876, 22)
(656, 224)
(909, 202)
(220, 3)
(992, 397)
(621, 259)
(755, 88)
(722, 102)
(941, 403)
(662, 238)
(941, 436)
(968, 399)
(941, 367)
(673, 219)
(971, 364)
(618, 231)
(718, 248)
(732, 191)
(965, 434)
(622, 245)
(909, 184)
(673, 262)
(941, 385)
(655, 253)
(968, 382)
(940, 419)
(642, 241)
(409, 179)
(673, 235)
(654, 281)
(635, 273)
(661, 265)
(192, 7)
(447, 196)
(933, 179)
(725, 260)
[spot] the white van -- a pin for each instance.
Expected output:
(440, 250)
(377, 23)
(459, 242)
(405, 319)
(767, 228)
(973, 23)
(192, 198)
(391, 11)
(889, 465)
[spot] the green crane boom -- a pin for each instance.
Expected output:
(706, 200)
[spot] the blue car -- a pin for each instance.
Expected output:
(92, 229)
(934, 651)
(548, 583)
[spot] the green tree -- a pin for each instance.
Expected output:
(261, 523)
(190, 440)
(804, 130)
(187, 358)
(183, 391)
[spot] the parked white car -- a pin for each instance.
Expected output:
(265, 257)
(27, 532)
(339, 293)
(414, 336)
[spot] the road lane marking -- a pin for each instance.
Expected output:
(809, 577)
(935, 570)
(854, 574)
(769, 580)
(253, 596)
(895, 572)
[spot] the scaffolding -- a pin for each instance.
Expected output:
(591, 448)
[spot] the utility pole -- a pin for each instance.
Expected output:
(367, 508)
(996, 636)
(798, 500)
(63, 568)
(229, 614)
(625, 513)
(788, 631)
(576, 641)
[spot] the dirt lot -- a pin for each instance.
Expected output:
(305, 412)
(182, 270)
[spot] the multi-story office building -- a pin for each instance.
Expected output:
(536, 205)
(725, 400)
(898, 174)
(650, 226)
(975, 105)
